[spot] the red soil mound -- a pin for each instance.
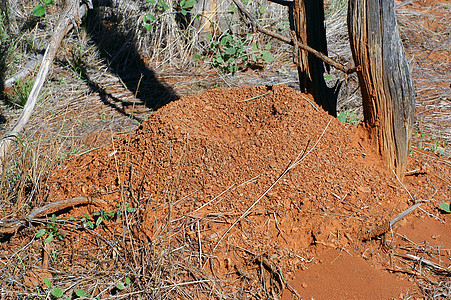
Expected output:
(210, 169)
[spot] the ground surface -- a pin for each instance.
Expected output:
(230, 192)
(213, 161)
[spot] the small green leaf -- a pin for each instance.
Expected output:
(196, 57)
(189, 4)
(184, 12)
(262, 9)
(99, 221)
(150, 1)
(120, 286)
(230, 51)
(254, 46)
(267, 56)
(223, 41)
(127, 281)
(208, 36)
(148, 26)
(57, 293)
(49, 2)
(47, 282)
(80, 293)
(40, 233)
(268, 46)
(232, 9)
(445, 207)
(39, 10)
(90, 225)
(49, 238)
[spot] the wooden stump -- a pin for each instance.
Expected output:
(310, 30)
(385, 78)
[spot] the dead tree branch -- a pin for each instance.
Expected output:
(65, 23)
(250, 20)
(24, 72)
(12, 226)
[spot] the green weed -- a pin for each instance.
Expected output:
(437, 146)
(51, 230)
(230, 52)
(446, 207)
(20, 93)
(40, 9)
(348, 116)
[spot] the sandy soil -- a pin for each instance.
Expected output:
(249, 192)
(222, 161)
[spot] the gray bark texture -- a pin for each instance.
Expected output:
(385, 78)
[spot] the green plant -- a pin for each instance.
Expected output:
(82, 294)
(348, 116)
(446, 207)
(22, 91)
(40, 9)
(56, 292)
(123, 209)
(283, 27)
(259, 54)
(437, 146)
(186, 5)
(230, 52)
(52, 231)
(160, 6)
(122, 285)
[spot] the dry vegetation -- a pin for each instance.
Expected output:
(114, 58)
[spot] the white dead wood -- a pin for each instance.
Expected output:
(70, 15)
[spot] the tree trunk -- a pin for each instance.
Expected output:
(310, 30)
(385, 79)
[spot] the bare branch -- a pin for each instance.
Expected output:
(250, 20)
(65, 23)
(11, 226)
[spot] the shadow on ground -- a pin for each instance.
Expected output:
(122, 58)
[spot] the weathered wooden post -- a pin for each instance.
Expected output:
(385, 79)
(309, 30)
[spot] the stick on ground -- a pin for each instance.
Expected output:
(12, 226)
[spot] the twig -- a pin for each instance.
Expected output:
(425, 261)
(298, 160)
(431, 156)
(253, 97)
(385, 227)
(306, 99)
(294, 42)
(11, 226)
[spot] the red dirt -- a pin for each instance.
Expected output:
(206, 159)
